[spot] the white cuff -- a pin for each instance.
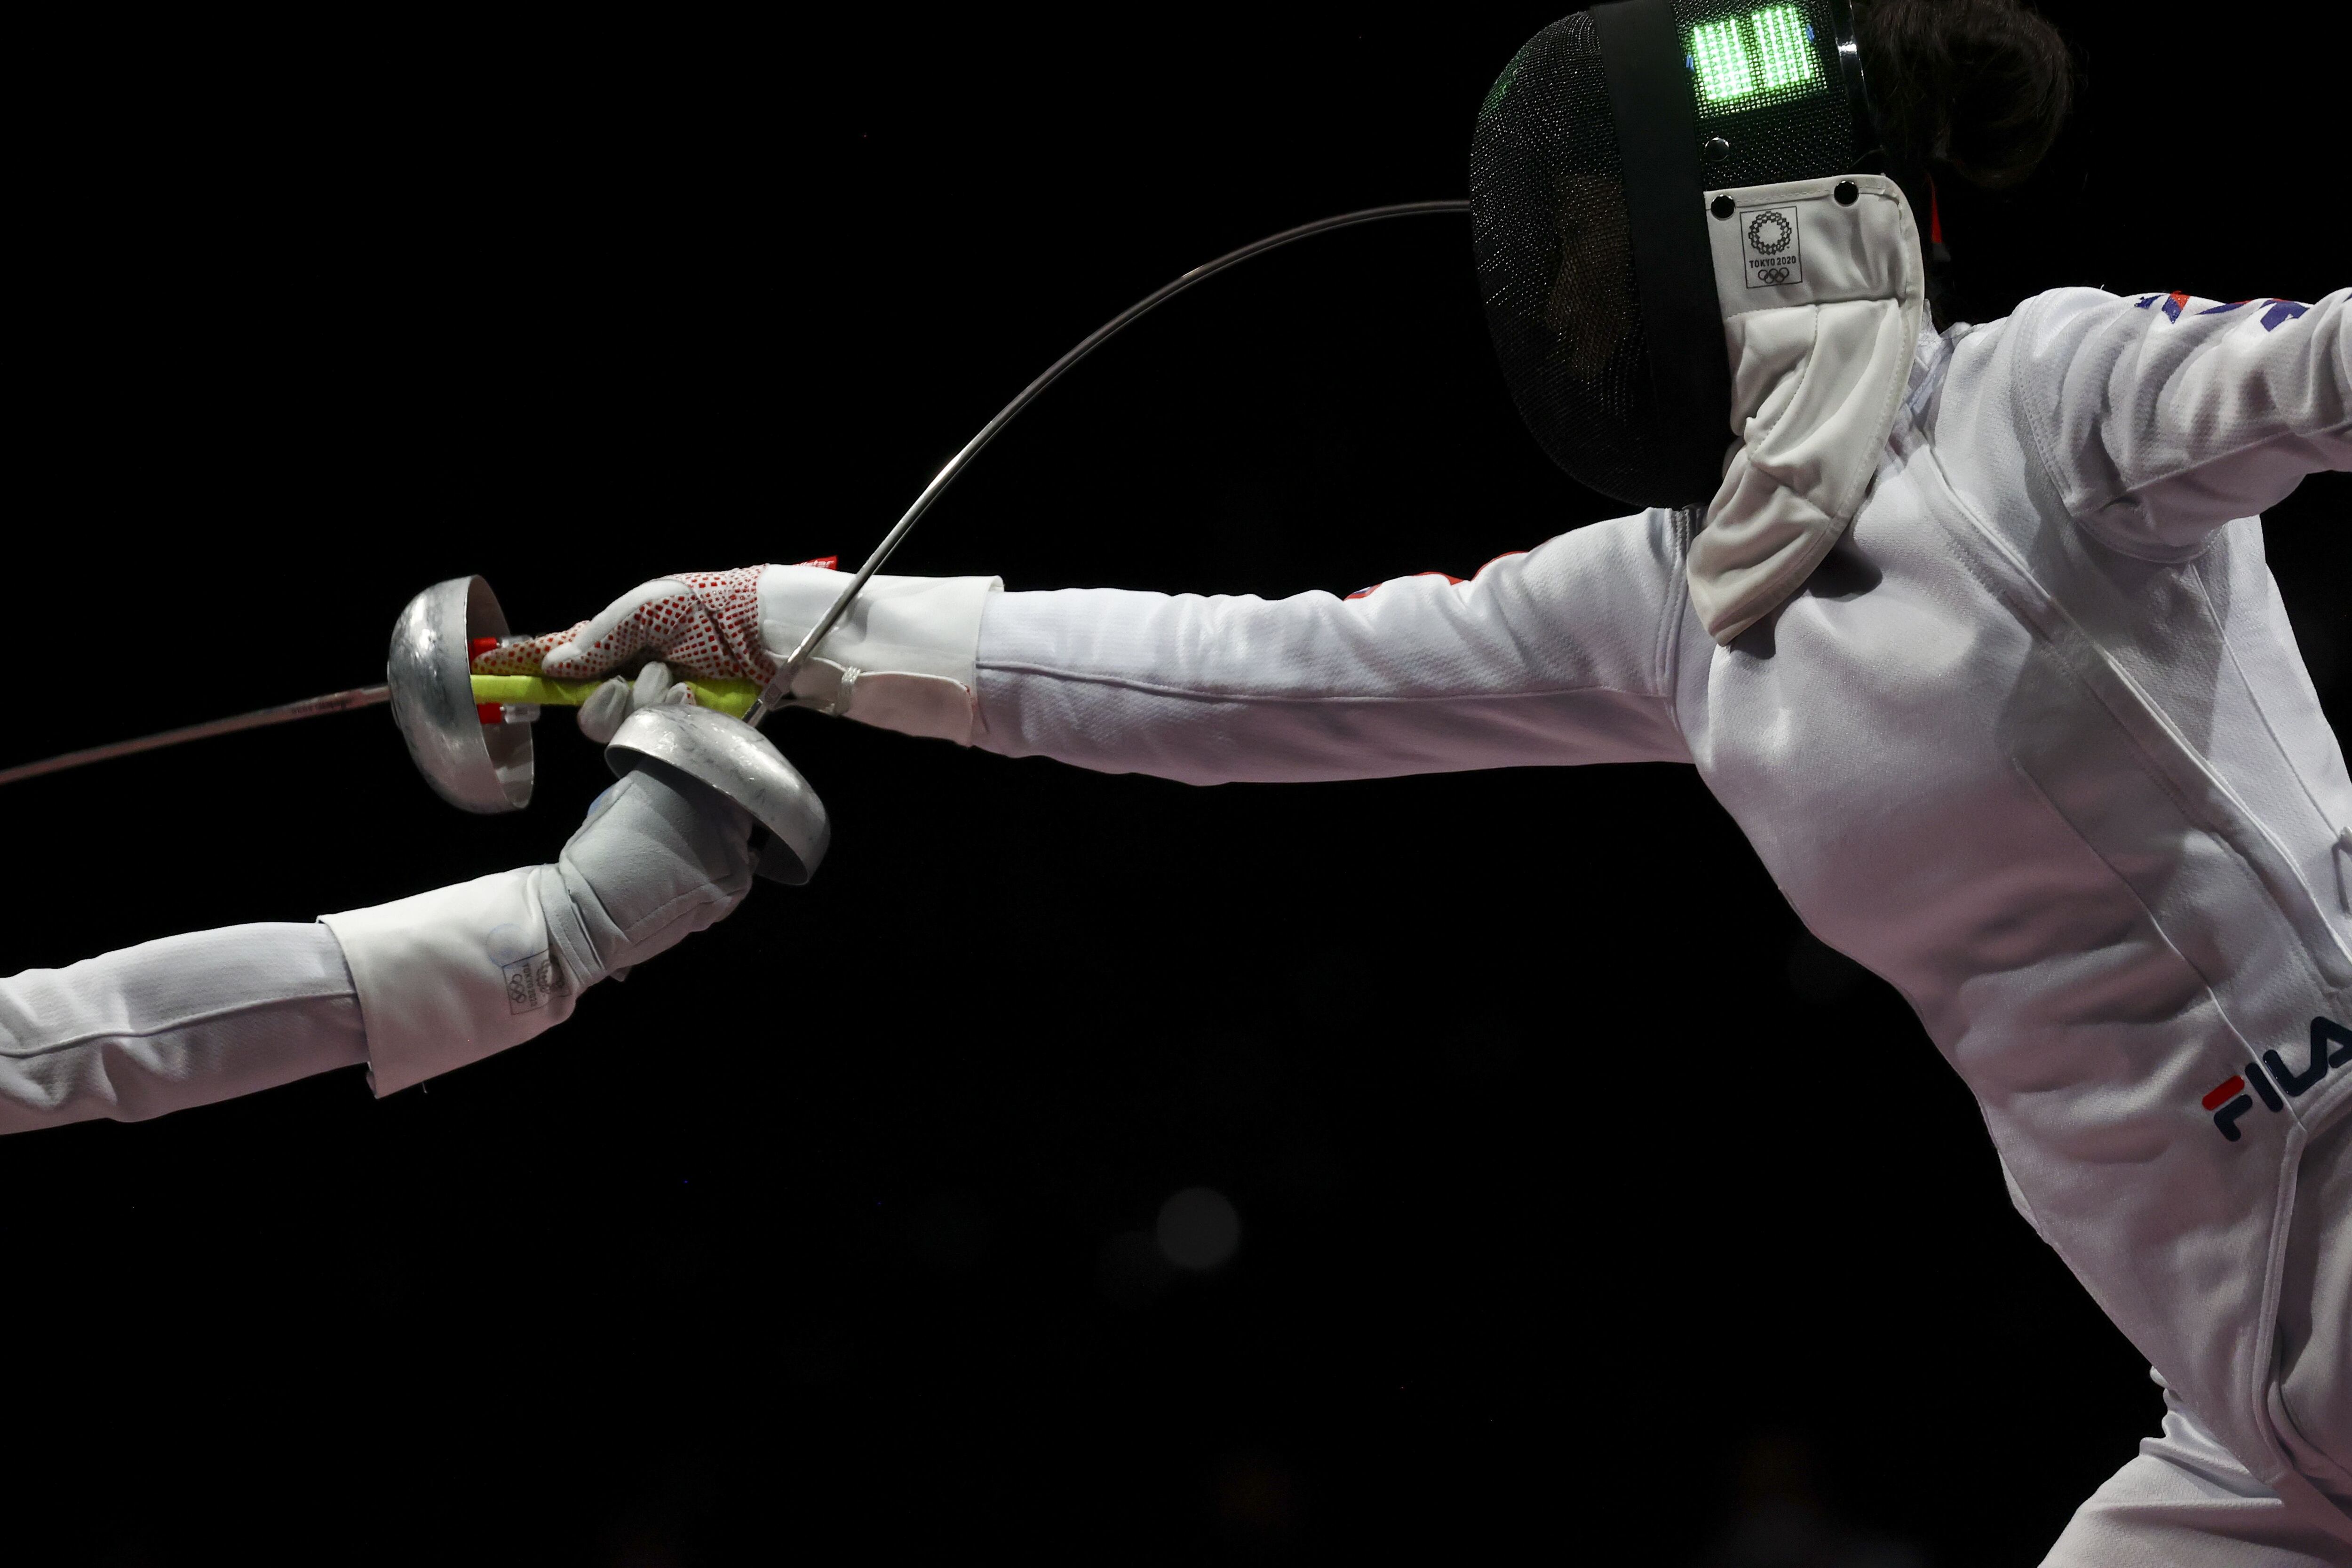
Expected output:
(449, 977)
(902, 658)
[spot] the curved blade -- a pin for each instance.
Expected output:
(780, 685)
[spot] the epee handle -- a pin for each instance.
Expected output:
(732, 698)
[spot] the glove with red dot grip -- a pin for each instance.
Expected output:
(704, 624)
(701, 623)
(902, 658)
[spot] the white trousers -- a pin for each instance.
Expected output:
(2185, 1503)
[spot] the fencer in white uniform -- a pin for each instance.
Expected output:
(1972, 635)
(2032, 741)
(411, 988)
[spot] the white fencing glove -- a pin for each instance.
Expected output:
(657, 859)
(699, 624)
(453, 975)
(902, 658)
(602, 715)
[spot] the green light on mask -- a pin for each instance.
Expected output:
(1721, 56)
(1751, 56)
(1782, 56)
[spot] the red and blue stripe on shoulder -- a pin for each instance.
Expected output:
(2278, 314)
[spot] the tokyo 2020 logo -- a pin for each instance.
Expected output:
(1778, 227)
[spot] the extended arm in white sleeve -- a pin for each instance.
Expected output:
(412, 988)
(1560, 654)
(453, 975)
(2159, 417)
(183, 1021)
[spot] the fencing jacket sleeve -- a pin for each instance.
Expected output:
(410, 989)
(1562, 654)
(2157, 438)
(183, 1021)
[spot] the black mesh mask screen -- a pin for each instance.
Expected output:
(1555, 250)
(1555, 255)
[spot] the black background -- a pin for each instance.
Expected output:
(1582, 1196)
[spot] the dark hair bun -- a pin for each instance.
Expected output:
(1977, 87)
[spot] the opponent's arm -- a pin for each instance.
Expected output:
(2161, 417)
(411, 988)
(1558, 655)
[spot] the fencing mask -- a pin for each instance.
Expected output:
(1702, 281)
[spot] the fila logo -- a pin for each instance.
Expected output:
(2331, 1046)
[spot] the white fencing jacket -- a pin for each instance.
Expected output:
(2034, 743)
